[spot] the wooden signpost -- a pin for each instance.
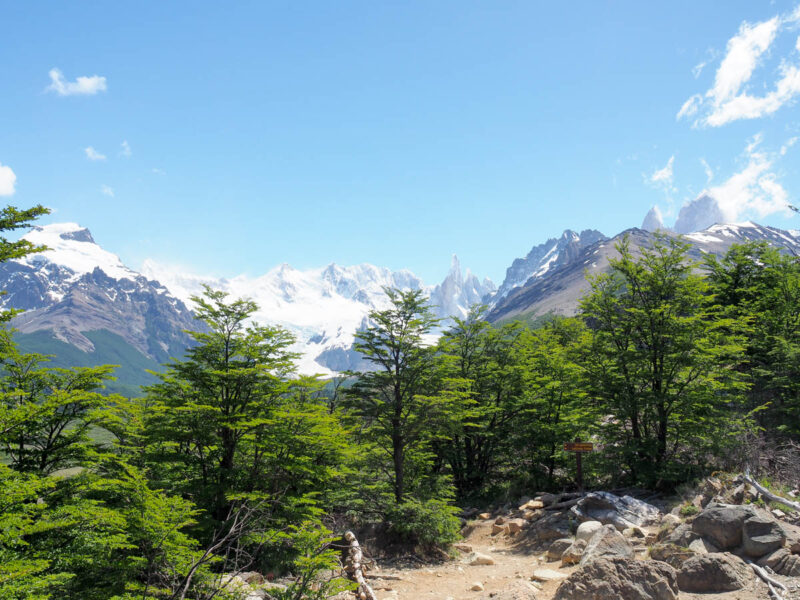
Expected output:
(579, 448)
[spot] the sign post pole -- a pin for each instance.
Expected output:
(579, 447)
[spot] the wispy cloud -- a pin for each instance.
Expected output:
(126, 149)
(82, 86)
(7, 180)
(707, 168)
(107, 190)
(663, 176)
(158, 171)
(93, 154)
(754, 190)
(729, 99)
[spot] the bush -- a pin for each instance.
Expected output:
(429, 524)
(687, 510)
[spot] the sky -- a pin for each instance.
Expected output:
(228, 138)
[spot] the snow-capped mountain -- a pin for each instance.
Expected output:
(76, 287)
(324, 307)
(545, 258)
(559, 290)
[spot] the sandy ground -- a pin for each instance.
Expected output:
(454, 579)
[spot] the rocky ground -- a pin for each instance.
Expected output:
(606, 547)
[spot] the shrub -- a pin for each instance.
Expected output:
(429, 524)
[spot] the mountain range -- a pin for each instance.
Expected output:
(81, 304)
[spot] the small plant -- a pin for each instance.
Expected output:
(429, 524)
(688, 510)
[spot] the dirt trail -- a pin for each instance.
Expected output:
(455, 579)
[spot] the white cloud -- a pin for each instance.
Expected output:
(663, 176)
(93, 154)
(754, 191)
(729, 99)
(788, 144)
(7, 181)
(158, 171)
(707, 168)
(107, 190)
(82, 86)
(126, 149)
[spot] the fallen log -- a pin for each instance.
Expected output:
(769, 495)
(354, 569)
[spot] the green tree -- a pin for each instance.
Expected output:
(761, 285)
(394, 401)
(661, 363)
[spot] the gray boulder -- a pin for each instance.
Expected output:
(607, 542)
(682, 535)
(761, 536)
(722, 524)
(719, 572)
(587, 529)
(620, 578)
(783, 562)
(557, 548)
(671, 554)
(622, 512)
(573, 554)
(547, 529)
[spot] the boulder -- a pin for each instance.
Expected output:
(532, 505)
(783, 562)
(550, 527)
(557, 548)
(620, 578)
(532, 515)
(722, 524)
(682, 536)
(587, 529)
(761, 536)
(498, 528)
(606, 542)
(701, 546)
(572, 555)
(622, 512)
(670, 520)
(719, 572)
(517, 590)
(671, 554)
(792, 537)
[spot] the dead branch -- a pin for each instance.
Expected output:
(771, 583)
(354, 569)
(769, 495)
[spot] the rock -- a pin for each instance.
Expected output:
(792, 537)
(722, 524)
(622, 512)
(782, 562)
(515, 525)
(532, 515)
(550, 527)
(252, 577)
(618, 579)
(557, 548)
(485, 516)
(701, 546)
(682, 536)
(496, 528)
(633, 532)
(606, 542)
(761, 536)
(499, 520)
(517, 590)
(476, 558)
(477, 587)
(532, 505)
(547, 575)
(671, 520)
(548, 499)
(719, 572)
(671, 554)
(465, 548)
(572, 555)
(587, 529)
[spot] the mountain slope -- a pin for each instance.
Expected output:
(560, 289)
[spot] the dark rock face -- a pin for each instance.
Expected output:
(783, 562)
(718, 572)
(722, 524)
(620, 578)
(761, 536)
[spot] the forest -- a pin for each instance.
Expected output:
(234, 462)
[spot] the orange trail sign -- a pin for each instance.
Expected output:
(579, 448)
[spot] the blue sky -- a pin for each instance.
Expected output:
(229, 138)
